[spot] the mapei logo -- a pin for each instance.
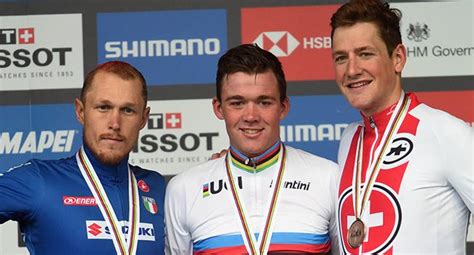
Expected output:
(215, 187)
(418, 32)
(20, 36)
(36, 142)
(280, 43)
(165, 121)
(99, 230)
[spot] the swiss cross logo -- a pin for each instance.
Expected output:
(170, 120)
(94, 229)
(382, 217)
(280, 43)
(173, 120)
(26, 35)
(17, 36)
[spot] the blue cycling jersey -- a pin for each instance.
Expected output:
(59, 215)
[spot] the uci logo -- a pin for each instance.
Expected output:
(398, 152)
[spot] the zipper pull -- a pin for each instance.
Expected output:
(372, 122)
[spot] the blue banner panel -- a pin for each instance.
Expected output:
(315, 123)
(168, 47)
(39, 131)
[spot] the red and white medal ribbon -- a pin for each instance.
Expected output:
(125, 244)
(254, 246)
(396, 119)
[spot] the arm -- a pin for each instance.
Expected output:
(178, 238)
(20, 192)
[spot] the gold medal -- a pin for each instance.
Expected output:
(356, 234)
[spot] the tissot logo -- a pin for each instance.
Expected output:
(20, 35)
(165, 120)
(280, 43)
(41, 52)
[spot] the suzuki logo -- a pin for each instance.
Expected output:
(280, 43)
(94, 229)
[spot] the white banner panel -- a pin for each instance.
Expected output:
(439, 38)
(180, 134)
(41, 52)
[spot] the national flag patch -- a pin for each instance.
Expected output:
(205, 190)
(150, 205)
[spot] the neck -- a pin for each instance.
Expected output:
(259, 162)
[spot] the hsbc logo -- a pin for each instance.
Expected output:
(165, 121)
(99, 230)
(20, 36)
(280, 43)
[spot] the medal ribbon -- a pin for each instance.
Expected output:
(394, 124)
(95, 186)
(247, 234)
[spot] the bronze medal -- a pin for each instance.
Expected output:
(356, 234)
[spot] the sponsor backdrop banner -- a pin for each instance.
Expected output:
(41, 52)
(315, 123)
(179, 135)
(168, 47)
(299, 36)
(438, 45)
(42, 131)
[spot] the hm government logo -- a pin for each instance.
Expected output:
(280, 43)
(418, 32)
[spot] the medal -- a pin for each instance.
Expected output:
(356, 234)
(357, 231)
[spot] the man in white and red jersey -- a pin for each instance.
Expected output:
(263, 197)
(407, 182)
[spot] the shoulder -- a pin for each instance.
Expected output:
(440, 122)
(41, 167)
(196, 175)
(146, 173)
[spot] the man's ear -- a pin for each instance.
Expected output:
(79, 109)
(399, 56)
(146, 115)
(217, 107)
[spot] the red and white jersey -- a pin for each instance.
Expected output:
(424, 192)
(201, 217)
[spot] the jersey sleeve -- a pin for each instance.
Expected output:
(457, 143)
(178, 238)
(334, 183)
(20, 192)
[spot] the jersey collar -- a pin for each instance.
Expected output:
(256, 164)
(115, 173)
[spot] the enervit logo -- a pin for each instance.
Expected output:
(174, 51)
(79, 201)
(433, 47)
(280, 43)
(41, 52)
(299, 36)
(100, 230)
(36, 142)
(183, 133)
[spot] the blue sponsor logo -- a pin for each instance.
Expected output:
(315, 123)
(43, 131)
(168, 47)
